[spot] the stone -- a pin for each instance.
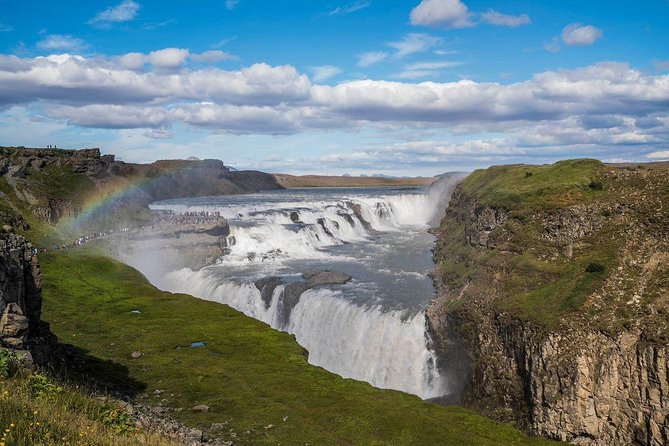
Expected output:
(194, 435)
(21, 300)
(14, 327)
(136, 354)
(200, 408)
(293, 291)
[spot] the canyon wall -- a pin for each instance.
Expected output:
(552, 308)
(55, 185)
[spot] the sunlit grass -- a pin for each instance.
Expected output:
(249, 375)
(35, 410)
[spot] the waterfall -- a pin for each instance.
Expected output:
(388, 349)
(372, 329)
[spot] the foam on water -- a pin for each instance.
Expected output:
(373, 329)
(388, 349)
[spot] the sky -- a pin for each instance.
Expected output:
(396, 87)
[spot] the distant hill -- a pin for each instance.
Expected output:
(292, 181)
(452, 174)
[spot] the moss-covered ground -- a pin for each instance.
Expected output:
(615, 219)
(256, 381)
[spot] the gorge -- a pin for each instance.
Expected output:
(550, 303)
(283, 249)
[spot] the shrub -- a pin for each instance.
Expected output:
(41, 386)
(528, 174)
(8, 363)
(119, 419)
(596, 185)
(594, 267)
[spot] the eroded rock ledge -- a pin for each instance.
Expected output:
(174, 247)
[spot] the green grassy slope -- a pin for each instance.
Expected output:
(527, 188)
(35, 410)
(621, 212)
(256, 381)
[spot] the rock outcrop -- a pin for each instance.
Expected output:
(592, 367)
(21, 300)
(172, 247)
(292, 291)
(19, 162)
(56, 184)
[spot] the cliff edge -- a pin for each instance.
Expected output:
(553, 289)
(55, 185)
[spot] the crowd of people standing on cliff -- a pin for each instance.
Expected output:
(168, 218)
(82, 240)
(160, 219)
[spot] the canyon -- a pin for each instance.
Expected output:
(551, 290)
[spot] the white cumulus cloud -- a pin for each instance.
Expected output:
(577, 34)
(168, 58)
(123, 12)
(662, 155)
(446, 14)
(212, 56)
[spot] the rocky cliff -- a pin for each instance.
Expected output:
(21, 300)
(553, 289)
(172, 247)
(54, 185)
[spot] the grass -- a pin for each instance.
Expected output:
(527, 188)
(12, 209)
(62, 183)
(518, 273)
(256, 381)
(545, 291)
(37, 410)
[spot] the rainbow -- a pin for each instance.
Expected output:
(104, 198)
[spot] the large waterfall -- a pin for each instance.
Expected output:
(372, 328)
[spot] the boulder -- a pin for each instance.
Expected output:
(21, 299)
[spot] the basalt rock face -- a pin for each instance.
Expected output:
(293, 290)
(553, 314)
(19, 161)
(21, 300)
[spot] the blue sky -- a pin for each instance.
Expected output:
(361, 86)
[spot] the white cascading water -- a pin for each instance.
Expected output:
(372, 329)
(368, 344)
